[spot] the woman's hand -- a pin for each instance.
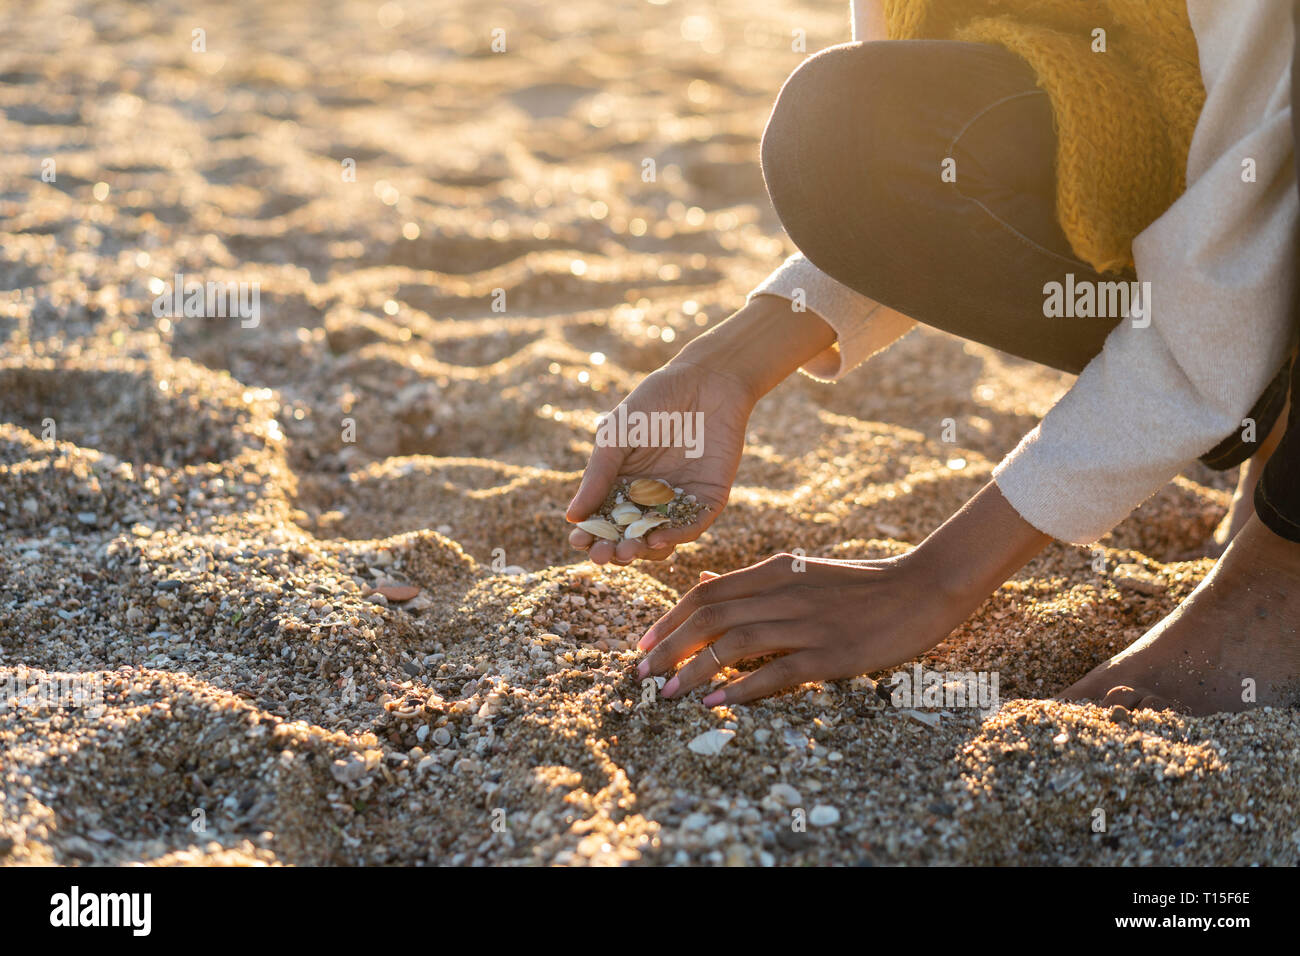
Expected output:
(828, 619)
(721, 375)
(833, 619)
(722, 403)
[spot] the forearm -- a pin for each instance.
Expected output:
(972, 553)
(761, 344)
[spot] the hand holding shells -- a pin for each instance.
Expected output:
(632, 509)
(638, 500)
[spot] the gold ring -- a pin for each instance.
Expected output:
(715, 655)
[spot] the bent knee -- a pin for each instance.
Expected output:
(825, 91)
(829, 137)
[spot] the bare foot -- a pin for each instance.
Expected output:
(1232, 645)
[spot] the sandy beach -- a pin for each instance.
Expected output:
(312, 567)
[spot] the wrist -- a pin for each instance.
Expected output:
(761, 343)
(972, 553)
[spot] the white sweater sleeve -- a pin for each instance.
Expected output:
(1220, 265)
(862, 326)
(869, 20)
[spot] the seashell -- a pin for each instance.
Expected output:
(600, 528)
(625, 513)
(639, 527)
(711, 742)
(650, 491)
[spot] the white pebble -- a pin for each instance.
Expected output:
(785, 794)
(824, 816)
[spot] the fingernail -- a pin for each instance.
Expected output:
(646, 639)
(643, 669)
(671, 687)
(714, 699)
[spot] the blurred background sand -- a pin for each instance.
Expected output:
(198, 513)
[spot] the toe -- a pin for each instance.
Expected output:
(1125, 698)
(1122, 696)
(1156, 702)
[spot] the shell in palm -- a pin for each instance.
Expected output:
(639, 527)
(650, 491)
(601, 528)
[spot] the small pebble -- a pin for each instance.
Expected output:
(824, 816)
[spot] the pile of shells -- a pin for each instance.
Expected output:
(632, 509)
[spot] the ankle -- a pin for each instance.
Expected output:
(1259, 548)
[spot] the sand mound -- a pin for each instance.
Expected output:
(210, 530)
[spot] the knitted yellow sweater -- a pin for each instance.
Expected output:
(1124, 117)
